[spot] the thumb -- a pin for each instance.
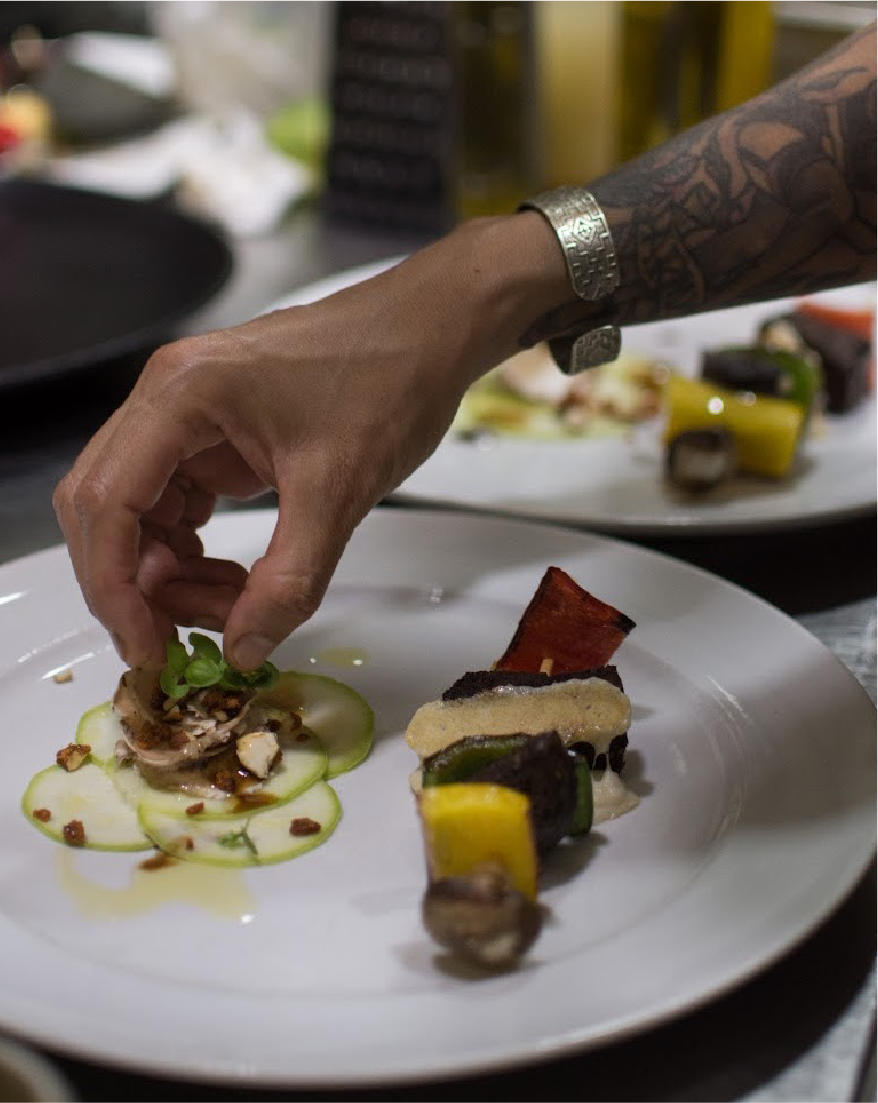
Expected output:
(286, 585)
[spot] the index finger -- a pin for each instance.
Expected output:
(117, 480)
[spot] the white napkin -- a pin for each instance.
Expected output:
(223, 168)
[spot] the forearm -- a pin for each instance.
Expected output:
(776, 197)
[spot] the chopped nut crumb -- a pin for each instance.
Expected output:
(42, 814)
(74, 833)
(194, 809)
(158, 861)
(63, 676)
(225, 780)
(72, 756)
(178, 740)
(303, 825)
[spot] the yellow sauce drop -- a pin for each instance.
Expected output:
(342, 656)
(221, 892)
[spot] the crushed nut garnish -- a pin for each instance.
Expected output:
(42, 814)
(158, 861)
(72, 756)
(225, 780)
(178, 740)
(194, 809)
(303, 825)
(63, 676)
(74, 833)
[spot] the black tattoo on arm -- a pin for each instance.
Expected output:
(776, 197)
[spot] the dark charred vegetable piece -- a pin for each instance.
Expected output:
(846, 358)
(701, 459)
(566, 624)
(778, 372)
(614, 758)
(460, 760)
(482, 917)
(744, 369)
(543, 770)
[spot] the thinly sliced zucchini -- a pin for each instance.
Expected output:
(86, 796)
(251, 839)
(337, 714)
(101, 730)
(302, 763)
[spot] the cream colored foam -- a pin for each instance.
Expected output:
(589, 709)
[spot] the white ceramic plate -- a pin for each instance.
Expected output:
(615, 484)
(752, 749)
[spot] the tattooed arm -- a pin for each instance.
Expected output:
(335, 403)
(776, 197)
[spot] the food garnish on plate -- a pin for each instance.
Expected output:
(514, 759)
(753, 405)
(205, 763)
(528, 396)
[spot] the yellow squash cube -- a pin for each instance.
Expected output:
(767, 430)
(468, 824)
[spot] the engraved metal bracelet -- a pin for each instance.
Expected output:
(587, 244)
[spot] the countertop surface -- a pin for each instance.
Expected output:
(803, 1029)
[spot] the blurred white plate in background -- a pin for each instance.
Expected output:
(615, 484)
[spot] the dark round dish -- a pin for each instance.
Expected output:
(86, 278)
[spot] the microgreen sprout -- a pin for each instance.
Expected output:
(206, 667)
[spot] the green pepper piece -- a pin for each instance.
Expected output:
(460, 760)
(805, 377)
(582, 817)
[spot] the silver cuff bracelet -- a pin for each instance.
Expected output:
(587, 245)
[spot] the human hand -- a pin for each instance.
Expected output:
(332, 404)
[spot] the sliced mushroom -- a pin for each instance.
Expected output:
(481, 917)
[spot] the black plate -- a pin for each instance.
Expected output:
(87, 278)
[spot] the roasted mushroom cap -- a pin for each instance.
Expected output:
(482, 917)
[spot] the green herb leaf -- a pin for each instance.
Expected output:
(202, 672)
(171, 686)
(232, 678)
(203, 647)
(177, 656)
(237, 840)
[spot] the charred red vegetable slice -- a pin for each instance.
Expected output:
(566, 624)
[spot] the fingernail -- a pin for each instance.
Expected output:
(251, 651)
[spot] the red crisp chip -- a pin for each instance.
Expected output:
(566, 624)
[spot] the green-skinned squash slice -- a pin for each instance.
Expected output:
(339, 717)
(55, 799)
(303, 762)
(274, 834)
(99, 728)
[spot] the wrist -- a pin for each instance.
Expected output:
(515, 273)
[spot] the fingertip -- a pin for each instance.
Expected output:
(249, 651)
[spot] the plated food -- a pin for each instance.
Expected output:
(205, 764)
(515, 759)
(752, 406)
(746, 410)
